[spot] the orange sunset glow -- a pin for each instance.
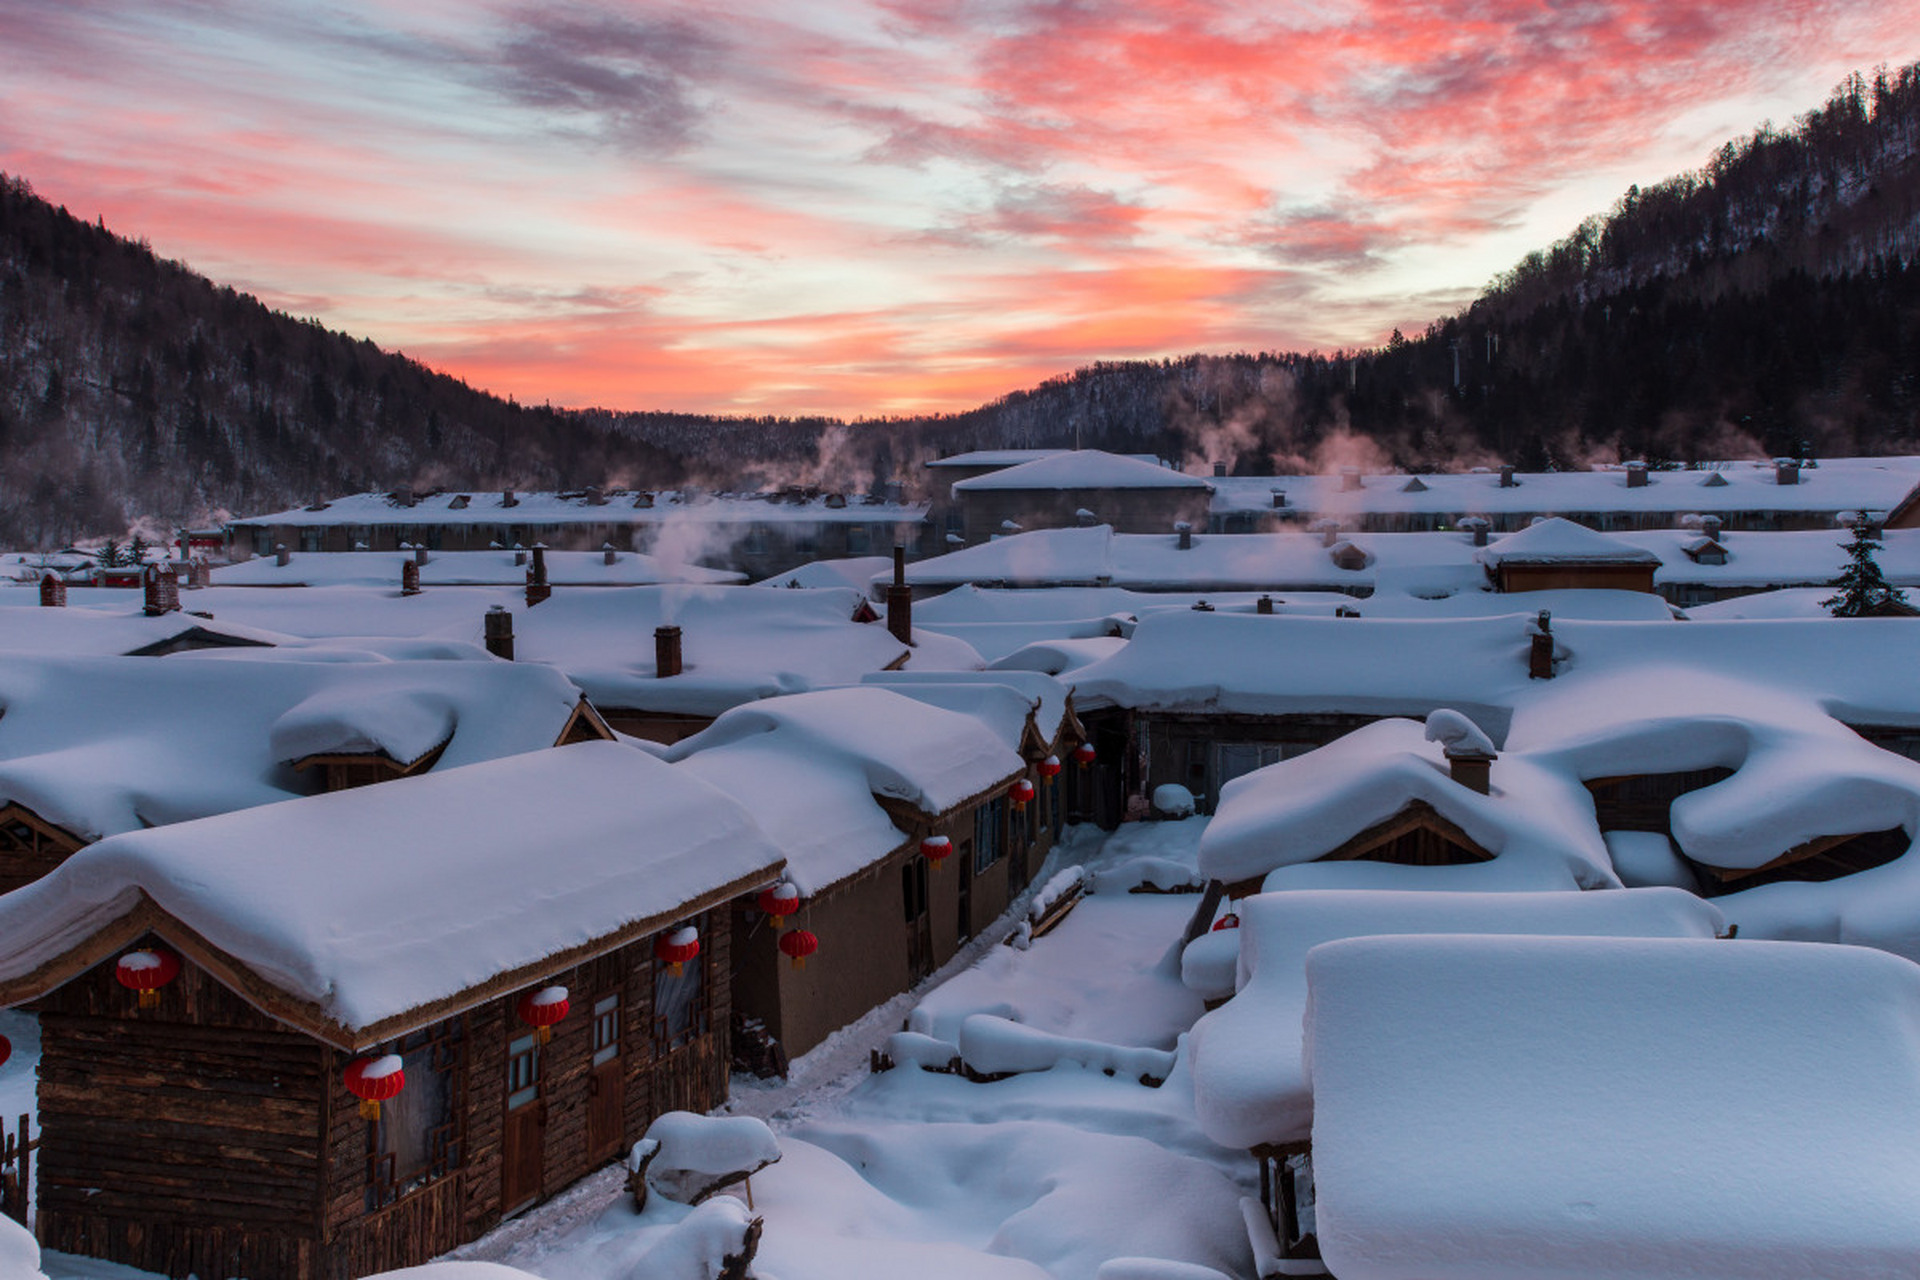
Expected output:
(860, 208)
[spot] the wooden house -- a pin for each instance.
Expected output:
(92, 747)
(1556, 554)
(217, 1130)
(901, 832)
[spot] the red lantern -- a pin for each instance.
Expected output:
(1084, 754)
(780, 901)
(542, 1009)
(375, 1080)
(1050, 767)
(676, 948)
(1021, 793)
(147, 972)
(936, 849)
(6, 1050)
(797, 945)
(1227, 921)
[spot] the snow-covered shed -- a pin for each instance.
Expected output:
(1557, 554)
(91, 747)
(1249, 1061)
(1614, 1109)
(298, 948)
(880, 802)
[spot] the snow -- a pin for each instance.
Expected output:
(1002, 700)
(993, 1045)
(371, 903)
(1560, 541)
(99, 746)
(19, 1252)
(1457, 735)
(114, 627)
(1081, 469)
(456, 1271)
(711, 1144)
(854, 571)
(1623, 1109)
(382, 569)
(1171, 800)
(1249, 1070)
(534, 508)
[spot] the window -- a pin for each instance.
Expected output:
(310, 539)
(523, 1070)
(988, 822)
(755, 543)
(417, 1138)
(859, 540)
(805, 539)
(606, 1029)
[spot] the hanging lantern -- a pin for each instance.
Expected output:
(1227, 921)
(6, 1050)
(936, 849)
(542, 1009)
(797, 945)
(1050, 767)
(1084, 754)
(676, 948)
(147, 972)
(1021, 793)
(375, 1080)
(780, 901)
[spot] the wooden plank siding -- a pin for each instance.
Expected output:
(201, 1137)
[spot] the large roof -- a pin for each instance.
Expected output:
(1082, 469)
(359, 914)
(547, 508)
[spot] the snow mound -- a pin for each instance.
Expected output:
(995, 1046)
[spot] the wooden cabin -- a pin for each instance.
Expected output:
(1557, 555)
(340, 770)
(214, 1133)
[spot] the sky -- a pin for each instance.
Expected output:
(866, 208)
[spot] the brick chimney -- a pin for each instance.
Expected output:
(1478, 526)
(507, 499)
(1185, 531)
(1636, 475)
(608, 555)
(53, 591)
(1540, 653)
(900, 599)
(519, 555)
(1506, 478)
(1263, 605)
(1279, 499)
(1472, 769)
(1786, 471)
(1219, 468)
(595, 498)
(1713, 527)
(499, 632)
(666, 651)
(1350, 479)
(162, 590)
(282, 556)
(420, 553)
(537, 587)
(409, 577)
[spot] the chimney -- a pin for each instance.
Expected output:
(595, 498)
(1349, 479)
(1329, 531)
(1636, 475)
(199, 573)
(1185, 531)
(537, 588)
(499, 632)
(1506, 477)
(409, 577)
(608, 555)
(900, 599)
(1711, 526)
(1203, 607)
(1263, 605)
(519, 555)
(1786, 471)
(1279, 499)
(281, 556)
(507, 499)
(420, 553)
(666, 651)
(1478, 527)
(162, 590)
(53, 591)
(1540, 654)
(1472, 770)
(1219, 468)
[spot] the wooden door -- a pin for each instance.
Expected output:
(606, 1085)
(523, 1136)
(913, 893)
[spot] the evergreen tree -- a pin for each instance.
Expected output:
(137, 551)
(1864, 591)
(109, 554)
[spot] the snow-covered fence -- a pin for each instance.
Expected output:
(993, 1048)
(688, 1157)
(1049, 906)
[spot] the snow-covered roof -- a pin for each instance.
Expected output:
(1302, 809)
(854, 571)
(1559, 541)
(1249, 1077)
(1837, 484)
(1605, 1109)
(461, 568)
(1002, 700)
(99, 746)
(375, 909)
(112, 628)
(1082, 469)
(810, 766)
(993, 457)
(548, 508)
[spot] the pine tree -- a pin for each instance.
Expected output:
(1864, 591)
(137, 551)
(109, 554)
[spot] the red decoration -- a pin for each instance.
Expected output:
(1227, 921)
(1084, 754)
(780, 901)
(1050, 767)
(1022, 792)
(374, 1080)
(936, 849)
(676, 948)
(6, 1050)
(797, 945)
(542, 1009)
(147, 972)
